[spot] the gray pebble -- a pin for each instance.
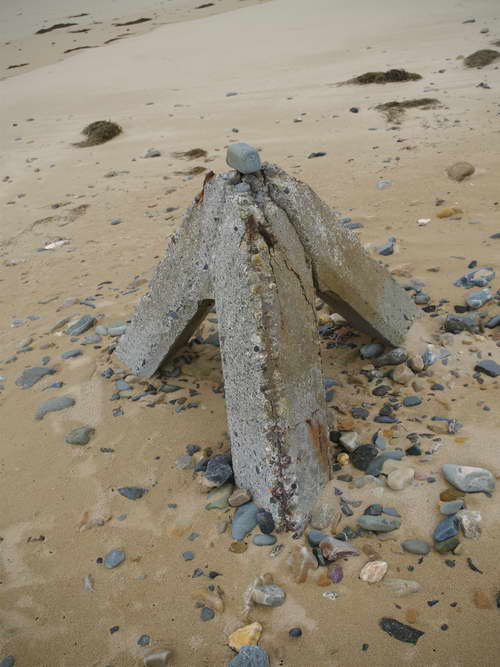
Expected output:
(250, 656)
(132, 492)
(207, 614)
(243, 158)
(478, 299)
(244, 520)
(93, 339)
(31, 376)
(79, 436)
(114, 558)
(452, 507)
(70, 354)
(489, 367)
(152, 152)
(416, 547)
(8, 661)
(371, 350)
(378, 524)
(469, 479)
(262, 540)
(54, 405)
(83, 324)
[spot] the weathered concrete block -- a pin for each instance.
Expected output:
(261, 253)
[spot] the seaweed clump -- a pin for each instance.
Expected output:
(99, 132)
(192, 154)
(391, 76)
(394, 111)
(481, 58)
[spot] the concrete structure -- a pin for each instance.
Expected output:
(260, 247)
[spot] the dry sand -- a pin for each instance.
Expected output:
(167, 88)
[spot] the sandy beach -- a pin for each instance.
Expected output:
(81, 232)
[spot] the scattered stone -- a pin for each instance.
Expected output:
(265, 521)
(469, 521)
(400, 478)
(245, 636)
(493, 322)
(295, 632)
(152, 152)
(411, 401)
(414, 546)
(480, 59)
(455, 323)
(388, 248)
(132, 492)
(371, 350)
(373, 571)
(114, 558)
(316, 154)
(446, 529)
(403, 586)
(218, 472)
(262, 540)
(207, 614)
(460, 170)
(332, 549)
(244, 521)
(350, 440)
(31, 376)
(478, 299)
(157, 659)
(144, 640)
(219, 497)
(489, 367)
(71, 354)
(243, 158)
(269, 596)
(362, 456)
(80, 436)
(250, 656)
(83, 324)
(8, 661)
(452, 507)
(447, 545)
(469, 479)
(402, 375)
(378, 524)
(239, 497)
(314, 537)
(54, 405)
(400, 631)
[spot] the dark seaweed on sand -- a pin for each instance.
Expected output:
(135, 22)
(99, 132)
(192, 154)
(20, 65)
(481, 58)
(56, 26)
(394, 111)
(391, 76)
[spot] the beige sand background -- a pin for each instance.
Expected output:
(166, 85)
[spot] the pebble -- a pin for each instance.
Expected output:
(8, 661)
(375, 466)
(398, 479)
(71, 354)
(371, 350)
(373, 571)
(117, 329)
(478, 299)
(333, 549)
(414, 546)
(247, 635)
(144, 640)
(250, 656)
(114, 558)
(31, 376)
(243, 158)
(403, 586)
(350, 440)
(445, 529)
(264, 540)
(447, 545)
(239, 497)
(157, 659)
(80, 436)
(218, 472)
(295, 632)
(378, 524)
(362, 456)
(469, 522)
(93, 339)
(411, 401)
(400, 631)
(54, 405)
(244, 521)
(402, 375)
(387, 248)
(314, 537)
(460, 170)
(219, 497)
(452, 507)
(83, 324)
(469, 479)
(132, 492)
(455, 323)
(493, 322)
(207, 614)
(489, 367)
(265, 521)
(269, 596)
(394, 357)
(152, 152)
(373, 510)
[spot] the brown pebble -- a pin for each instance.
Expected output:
(411, 615)
(451, 494)
(238, 547)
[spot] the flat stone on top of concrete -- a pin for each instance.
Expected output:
(243, 158)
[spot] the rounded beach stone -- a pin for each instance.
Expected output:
(416, 547)
(114, 558)
(248, 634)
(373, 571)
(403, 586)
(469, 479)
(398, 479)
(243, 158)
(250, 656)
(460, 170)
(79, 436)
(269, 596)
(264, 540)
